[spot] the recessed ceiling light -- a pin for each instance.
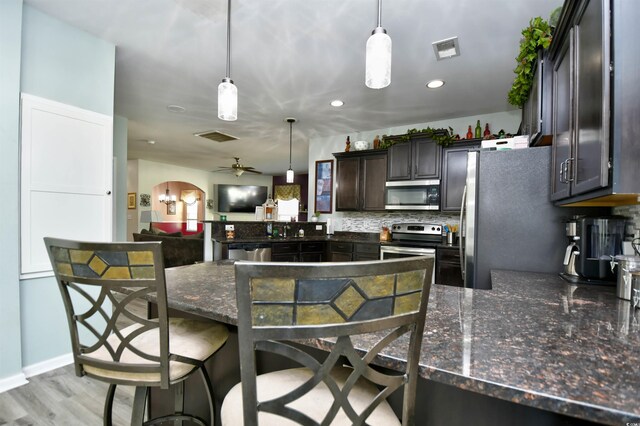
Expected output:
(434, 84)
(151, 142)
(176, 108)
(337, 103)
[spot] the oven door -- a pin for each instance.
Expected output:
(397, 252)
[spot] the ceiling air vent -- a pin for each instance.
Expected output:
(447, 48)
(216, 136)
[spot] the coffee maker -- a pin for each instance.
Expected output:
(597, 239)
(572, 251)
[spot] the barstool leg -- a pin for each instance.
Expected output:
(209, 389)
(139, 401)
(108, 405)
(178, 401)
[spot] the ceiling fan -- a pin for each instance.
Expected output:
(238, 169)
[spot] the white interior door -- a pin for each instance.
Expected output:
(66, 178)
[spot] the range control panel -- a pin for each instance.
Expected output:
(417, 228)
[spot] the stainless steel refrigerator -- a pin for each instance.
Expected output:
(507, 220)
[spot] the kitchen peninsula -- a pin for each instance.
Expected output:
(534, 349)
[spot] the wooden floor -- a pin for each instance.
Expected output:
(61, 398)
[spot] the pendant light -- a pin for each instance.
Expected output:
(290, 171)
(227, 91)
(378, 63)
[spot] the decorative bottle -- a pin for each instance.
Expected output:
(487, 132)
(347, 147)
(470, 133)
(478, 130)
(376, 142)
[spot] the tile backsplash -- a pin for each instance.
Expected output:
(374, 221)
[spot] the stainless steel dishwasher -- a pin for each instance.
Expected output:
(257, 252)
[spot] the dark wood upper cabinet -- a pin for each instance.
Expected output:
(418, 158)
(347, 183)
(360, 180)
(595, 106)
(454, 174)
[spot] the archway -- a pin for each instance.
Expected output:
(184, 209)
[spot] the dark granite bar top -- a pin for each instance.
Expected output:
(533, 339)
(354, 237)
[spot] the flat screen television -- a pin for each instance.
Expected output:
(240, 198)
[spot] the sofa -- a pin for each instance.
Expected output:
(177, 249)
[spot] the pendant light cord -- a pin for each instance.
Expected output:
(290, 130)
(379, 13)
(229, 38)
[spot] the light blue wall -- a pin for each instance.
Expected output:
(10, 42)
(120, 211)
(66, 65)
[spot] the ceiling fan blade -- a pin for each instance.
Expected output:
(253, 171)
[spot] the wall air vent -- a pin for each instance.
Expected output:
(216, 136)
(447, 48)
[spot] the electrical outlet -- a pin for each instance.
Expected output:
(318, 227)
(228, 228)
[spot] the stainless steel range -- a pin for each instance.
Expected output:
(412, 239)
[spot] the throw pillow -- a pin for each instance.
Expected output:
(199, 235)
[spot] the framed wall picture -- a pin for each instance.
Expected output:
(324, 186)
(171, 208)
(131, 200)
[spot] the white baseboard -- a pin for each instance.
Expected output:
(12, 382)
(48, 365)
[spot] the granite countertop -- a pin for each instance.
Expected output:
(349, 237)
(533, 339)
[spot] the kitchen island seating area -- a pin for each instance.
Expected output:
(279, 303)
(160, 352)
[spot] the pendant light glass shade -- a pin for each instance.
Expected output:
(227, 91)
(227, 100)
(289, 176)
(378, 65)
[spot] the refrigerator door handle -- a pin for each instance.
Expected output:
(462, 230)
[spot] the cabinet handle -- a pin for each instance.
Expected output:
(560, 172)
(567, 171)
(416, 170)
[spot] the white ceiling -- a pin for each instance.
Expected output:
(290, 58)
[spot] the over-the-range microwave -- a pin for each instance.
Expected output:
(412, 195)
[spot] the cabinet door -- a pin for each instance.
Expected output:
(454, 177)
(347, 183)
(589, 166)
(399, 161)
(340, 257)
(426, 159)
(285, 257)
(562, 121)
(311, 257)
(374, 172)
(449, 274)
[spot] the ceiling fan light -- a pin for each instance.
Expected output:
(378, 62)
(238, 172)
(227, 100)
(289, 176)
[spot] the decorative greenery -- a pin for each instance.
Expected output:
(442, 137)
(537, 35)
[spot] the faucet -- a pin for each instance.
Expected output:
(284, 230)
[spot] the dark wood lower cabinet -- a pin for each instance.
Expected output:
(307, 251)
(347, 252)
(448, 271)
